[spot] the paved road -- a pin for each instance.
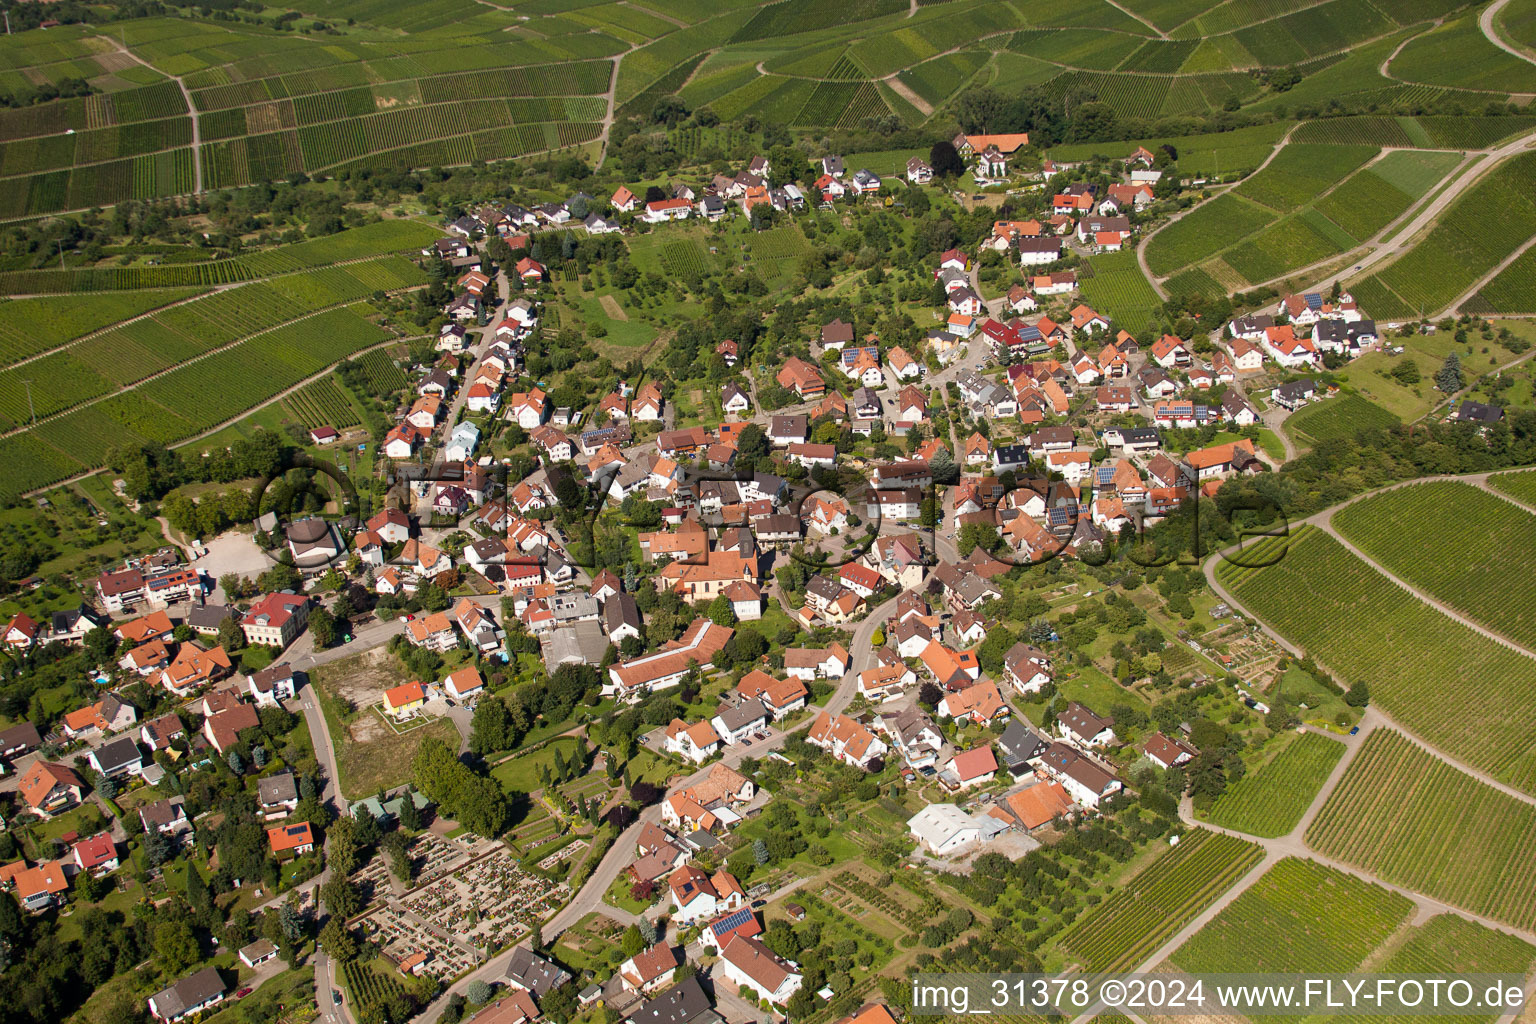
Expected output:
(1485, 22)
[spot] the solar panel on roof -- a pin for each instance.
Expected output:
(1104, 475)
(1314, 300)
(732, 921)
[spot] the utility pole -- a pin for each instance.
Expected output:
(30, 403)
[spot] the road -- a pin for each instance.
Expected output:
(590, 897)
(1485, 22)
(192, 112)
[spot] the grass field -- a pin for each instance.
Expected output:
(1341, 416)
(1416, 821)
(521, 773)
(1456, 542)
(1300, 916)
(1270, 800)
(1364, 627)
(1143, 913)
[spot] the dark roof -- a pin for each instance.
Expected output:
(532, 972)
(1479, 413)
(208, 616)
(1018, 744)
(22, 736)
(1297, 388)
(620, 610)
(192, 991)
(276, 789)
(119, 752)
(685, 1003)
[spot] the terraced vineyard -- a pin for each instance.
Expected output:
(1143, 913)
(1364, 627)
(1340, 416)
(1300, 916)
(1271, 800)
(1416, 821)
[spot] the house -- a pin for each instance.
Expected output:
(802, 378)
(1083, 778)
(667, 666)
(684, 1003)
(1222, 460)
(1288, 350)
(275, 620)
(811, 455)
(991, 165)
(709, 804)
(944, 828)
(168, 816)
(403, 699)
(391, 525)
(696, 742)
(1170, 351)
(1081, 726)
(190, 995)
(865, 182)
(49, 788)
(118, 758)
(809, 663)
(1347, 337)
(697, 895)
(1294, 394)
(528, 409)
(748, 963)
(1037, 805)
(1237, 408)
(194, 667)
(223, 728)
(1478, 412)
(531, 973)
(663, 210)
(462, 442)
(277, 795)
(20, 633)
(647, 403)
(846, 740)
(1020, 746)
(624, 200)
(108, 715)
(734, 400)
(530, 270)
(975, 767)
(1038, 251)
(649, 971)
(918, 171)
(296, 839)
(981, 702)
(1027, 668)
(40, 887)
(1167, 752)
(21, 738)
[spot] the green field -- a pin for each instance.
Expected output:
(1364, 627)
(1271, 800)
(1204, 231)
(1456, 542)
(1300, 916)
(1416, 821)
(1340, 416)
(1520, 486)
(1458, 55)
(1143, 913)
(1299, 172)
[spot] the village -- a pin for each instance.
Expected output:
(884, 578)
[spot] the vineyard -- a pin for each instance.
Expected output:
(384, 377)
(1520, 486)
(370, 989)
(1416, 821)
(1364, 627)
(1204, 231)
(1120, 291)
(1478, 566)
(1340, 416)
(1300, 172)
(1300, 916)
(1270, 801)
(323, 403)
(1487, 223)
(1145, 912)
(30, 326)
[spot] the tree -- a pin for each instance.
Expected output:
(341, 897)
(236, 762)
(101, 644)
(1449, 379)
(1406, 372)
(1358, 695)
(231, 636)
(176, 946)
(410, 814)
(478, 992)
(259, 755)
(490, 727)
(929, 695)
(721, 612)
(339, 943)
(105, 786)
(322, 627)
(633, 942)
(943, 466)
(157, 848)
(945, 159)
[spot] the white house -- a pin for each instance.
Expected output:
(748, 963)
(944, 828)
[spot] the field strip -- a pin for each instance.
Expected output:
(1485, 21)
(186, 95)
(1477, 285)
(904, 90)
